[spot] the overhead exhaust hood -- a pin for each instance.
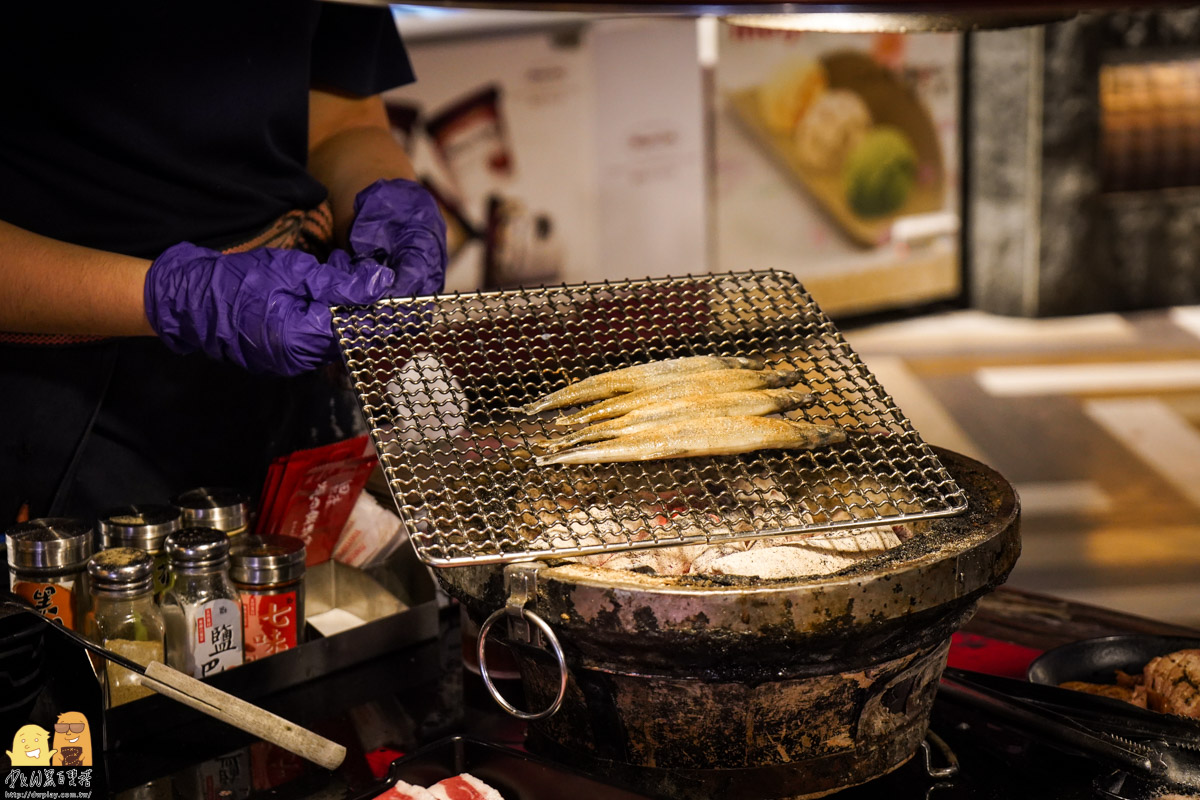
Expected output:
(848, 17)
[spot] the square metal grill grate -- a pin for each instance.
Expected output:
(440, 381)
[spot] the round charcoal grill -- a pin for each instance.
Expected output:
(744, 688)
(680, 686)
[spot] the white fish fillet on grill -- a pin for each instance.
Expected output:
(790, 556)
(640, 376)
(702, 436)
(752, 403)
(693, 386)
(702, 563)
(659, 560)
(785, 561)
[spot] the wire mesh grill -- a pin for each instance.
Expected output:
(441, 381)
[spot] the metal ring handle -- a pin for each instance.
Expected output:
(541, 624)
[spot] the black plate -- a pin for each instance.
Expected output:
(1097, 660)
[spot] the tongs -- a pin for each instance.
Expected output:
(1160, 747)
(207, 699)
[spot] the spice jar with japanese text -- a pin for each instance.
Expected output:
(46, 566)
(144, 527)
(201, 610)
(268, 572)
(124, 617)
(218, 508)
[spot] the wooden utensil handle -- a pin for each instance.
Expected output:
(243, 715)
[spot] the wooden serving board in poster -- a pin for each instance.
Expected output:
(890, 102)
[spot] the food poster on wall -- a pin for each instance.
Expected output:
(563, 155)
(838, 160)
(652, 149)
(490, 125)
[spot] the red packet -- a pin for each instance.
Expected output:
(266, 500)
(291, 472)
(320, 505)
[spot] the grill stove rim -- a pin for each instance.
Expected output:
(935, 578)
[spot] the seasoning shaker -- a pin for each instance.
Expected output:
(47, 560)
(218, 508)
(124, 616)
(268, 572)
(145, 527)
(201, 610)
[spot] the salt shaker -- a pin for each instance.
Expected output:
(201, 610)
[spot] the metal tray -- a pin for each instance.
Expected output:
(439, 380)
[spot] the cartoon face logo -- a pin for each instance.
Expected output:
(31, 747)
(72, 740)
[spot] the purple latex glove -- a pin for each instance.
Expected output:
(397, 222)
(265, 309)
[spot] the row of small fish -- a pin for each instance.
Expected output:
(702, 436)
(681, 408)
(640, 376)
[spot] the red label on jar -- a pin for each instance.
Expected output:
(270, 621)
(51, 600)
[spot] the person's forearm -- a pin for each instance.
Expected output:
(48, 286)
(351, 147)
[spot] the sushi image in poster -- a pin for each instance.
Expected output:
(837, 159)
(847, 131)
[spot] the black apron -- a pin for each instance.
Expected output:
(93, 425)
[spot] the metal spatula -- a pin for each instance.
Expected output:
(207, 699)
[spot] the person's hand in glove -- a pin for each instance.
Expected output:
(397, 222)
(266, 309)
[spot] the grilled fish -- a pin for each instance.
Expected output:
(699, 384)
(640, 376)
(702, 436)
(754, 403)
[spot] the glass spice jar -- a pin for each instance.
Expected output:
(144, 527)
(47, 561)
(124, 617)
(268, 572)
(201, 610)
(218, 508)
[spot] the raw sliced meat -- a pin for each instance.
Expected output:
(405, 791)
(464, 787)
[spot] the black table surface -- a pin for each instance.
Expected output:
(418, 713)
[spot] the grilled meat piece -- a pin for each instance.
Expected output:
(1173, 683)
(1116, 692)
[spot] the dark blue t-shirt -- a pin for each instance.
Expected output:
(131, 126)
